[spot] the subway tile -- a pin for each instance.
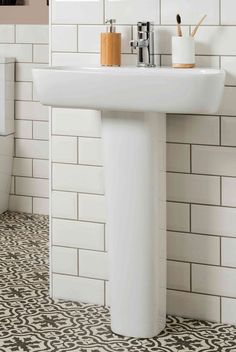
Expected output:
(23, 129)
(64, 205)
(79, 59)
(214, 160)
(27, 148)
(31, 187)
(201, 61)
(32, 34)
(107, 294)
(41, 130)
(228, 104)
(218, 221)
(82, 12)
(163, 38)
(21, 52)
(228, 311)
(22, 167)
(93, 264)
(228, 250)
(228, 63)
(90, 151)
(64, 260)
(24, 71)
(40, 53)
(193, 305)
(193, 129)
(193, 188)
(178, 216)
(75, 122)
(40, 168)
(190, 10)
(193, 248)
(85, 235)
(229, 191)
(23, 91)
(228, 9)
(64, 149)
(89, 38)
(149, 12)
(214, 280)
(41, 206)
(7, 33)
(64, 38)
(92, 208)
(211, 40)
(12, 190)
(178, 157)
(78, 289)
(178, 276)
(28, 110)
(228, 131)
(78, 178)
(21, 204)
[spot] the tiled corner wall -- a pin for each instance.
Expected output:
(201, 162)
(28, 44)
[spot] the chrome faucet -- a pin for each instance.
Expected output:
(144, 44)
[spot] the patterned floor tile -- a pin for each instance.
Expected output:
(32, 322)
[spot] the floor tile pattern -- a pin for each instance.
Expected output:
(30, 321)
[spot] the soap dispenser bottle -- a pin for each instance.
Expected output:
(111, 45)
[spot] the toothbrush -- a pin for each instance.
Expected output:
(197, 26)
(179, 31)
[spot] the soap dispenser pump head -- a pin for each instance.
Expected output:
(111, 28)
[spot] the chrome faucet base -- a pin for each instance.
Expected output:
(144, 44)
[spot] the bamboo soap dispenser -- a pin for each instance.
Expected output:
(111, 45)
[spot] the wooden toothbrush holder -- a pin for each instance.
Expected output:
(183, 52)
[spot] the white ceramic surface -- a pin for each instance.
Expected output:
(183, 50)
(134, 163)
(6, 159)
(6, 96)
(164, 90)
(134, 148)
(6, 129)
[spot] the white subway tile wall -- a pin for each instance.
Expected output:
(201, 158)
(30, 186)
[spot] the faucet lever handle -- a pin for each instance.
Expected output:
(134, 44)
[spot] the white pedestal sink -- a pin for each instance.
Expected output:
(135, 183)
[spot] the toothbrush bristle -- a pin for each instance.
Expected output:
(178, 19)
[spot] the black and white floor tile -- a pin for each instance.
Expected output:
(30, 321)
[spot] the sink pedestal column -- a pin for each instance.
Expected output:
(135, 187)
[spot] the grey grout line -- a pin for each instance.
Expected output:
(199, 174)
(201, 264)
(80, 220)
(221, 252)
(220, 309)
(190, 277)
(80, 276)
(105, 298)
(220, 13)
(78, 266)
(160, 8)
(201, 204)
(201, 144)
(79, 248)
(200, 293)
(200, 234)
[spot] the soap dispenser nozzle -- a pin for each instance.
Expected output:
(111, 28)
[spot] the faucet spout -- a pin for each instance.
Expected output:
(144, 44)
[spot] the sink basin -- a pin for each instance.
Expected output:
(134, 103)
(131, 89)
